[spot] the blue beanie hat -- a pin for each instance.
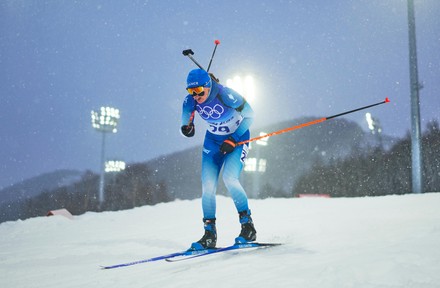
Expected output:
(198, 77)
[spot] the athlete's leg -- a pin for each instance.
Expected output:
(211, 165)
(233, 166)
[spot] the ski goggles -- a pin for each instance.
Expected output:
(196, 91)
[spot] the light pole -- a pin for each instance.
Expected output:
(105, 121)
(416, 149)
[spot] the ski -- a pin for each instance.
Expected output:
(224, 249)
(190, 254)
(158, 258)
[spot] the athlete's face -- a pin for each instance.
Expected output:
(200, 99)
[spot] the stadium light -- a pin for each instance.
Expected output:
(373, 124)
(263, 141)
(369, 121)
(105, 121)
(114, 166)
(244, 87)
(375, 127)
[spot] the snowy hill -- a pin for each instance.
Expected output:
(390, 241)
(34, 186)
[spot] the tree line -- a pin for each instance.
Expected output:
(376, 173)
(128, 189)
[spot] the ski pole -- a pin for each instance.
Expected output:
(216, 42)
(320, 120)
(189, 53)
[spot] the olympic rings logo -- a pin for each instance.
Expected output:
(211, 112)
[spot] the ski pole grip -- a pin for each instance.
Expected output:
(187, 52)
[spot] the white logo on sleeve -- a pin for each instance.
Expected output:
(232, 97)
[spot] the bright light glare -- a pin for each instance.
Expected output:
(250, 164)
(235, 84)
(263, 141)
(245, 87)
(262, 163)
(249, 88)
(369, 121)
(114, 166)
(255, 165)
(106, 119)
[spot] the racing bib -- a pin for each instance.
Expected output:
(222, 120)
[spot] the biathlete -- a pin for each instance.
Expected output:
(229, 117)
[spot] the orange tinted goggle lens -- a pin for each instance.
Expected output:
(196, 90)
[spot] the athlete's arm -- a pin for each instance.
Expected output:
(236, 101)
(187, 110)
(187, 129)
(248, 118)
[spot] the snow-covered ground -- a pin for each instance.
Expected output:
(391, 241)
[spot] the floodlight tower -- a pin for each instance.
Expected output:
(105, 121)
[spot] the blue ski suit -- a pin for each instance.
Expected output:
(228, 115)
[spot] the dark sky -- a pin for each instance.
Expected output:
(61, 59)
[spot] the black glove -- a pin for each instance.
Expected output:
(188, 130)
(228, 145)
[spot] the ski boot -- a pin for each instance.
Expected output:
(248, 232)
(209, 240)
